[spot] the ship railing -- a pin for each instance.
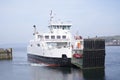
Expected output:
(56, 40)
(61, 23)
(59, 47)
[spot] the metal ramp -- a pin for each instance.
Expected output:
(93, 54)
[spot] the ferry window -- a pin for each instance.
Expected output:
(54, 27)
(64, 37)
(64, 27)
(38, 45)
(58, 37)
(57, 27)
(46, 37)
(52, 37)
(40, 36)
(60, 27)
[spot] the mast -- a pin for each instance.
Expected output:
(34, 29)
(51, 16)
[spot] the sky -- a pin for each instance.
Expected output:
(88, 17)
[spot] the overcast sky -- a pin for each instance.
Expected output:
(89, 17)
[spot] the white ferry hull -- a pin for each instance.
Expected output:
(50, 61)
(51, 57)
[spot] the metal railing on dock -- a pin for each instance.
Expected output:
(5, 54)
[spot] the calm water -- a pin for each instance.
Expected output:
(20, 69)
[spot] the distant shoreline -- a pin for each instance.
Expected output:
(112, 45)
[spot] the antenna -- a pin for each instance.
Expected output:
(51, 16)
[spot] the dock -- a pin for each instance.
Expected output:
(5, 54)
(91, 56)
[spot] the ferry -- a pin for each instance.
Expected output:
(52, 48)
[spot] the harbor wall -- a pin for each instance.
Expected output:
(5, 54)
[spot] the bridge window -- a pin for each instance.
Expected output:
(60, 27)
(57, 27)
(68, 27)
(64, 27)
(54, 27)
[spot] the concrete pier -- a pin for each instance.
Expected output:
(5, 54)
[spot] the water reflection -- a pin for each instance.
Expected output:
(63, 73)
(51, 73)
(94, 74)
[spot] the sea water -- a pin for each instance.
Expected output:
(20, 69)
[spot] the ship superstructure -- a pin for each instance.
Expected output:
(52, 48)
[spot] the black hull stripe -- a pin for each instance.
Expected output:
(49, 60)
